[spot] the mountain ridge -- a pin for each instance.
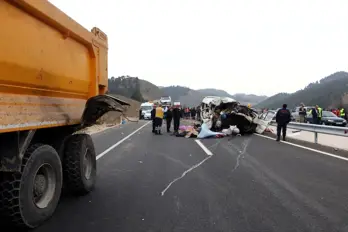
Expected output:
(328, 92)
(127, 85)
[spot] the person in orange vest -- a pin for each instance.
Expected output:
(159, 112)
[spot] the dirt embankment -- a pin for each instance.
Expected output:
(131, 112)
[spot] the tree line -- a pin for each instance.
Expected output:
(126, 86)
(328, 93)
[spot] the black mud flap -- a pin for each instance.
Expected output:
(99, 105)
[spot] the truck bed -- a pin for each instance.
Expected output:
(49, 66)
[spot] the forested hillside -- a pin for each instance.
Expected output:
(135, 88)
(329, 92)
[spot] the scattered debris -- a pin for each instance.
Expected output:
(95, 129)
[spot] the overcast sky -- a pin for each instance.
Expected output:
(249, 46)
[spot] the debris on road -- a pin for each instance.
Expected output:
(206, 133)
(188, 131)
(96, 128)
(199, 131)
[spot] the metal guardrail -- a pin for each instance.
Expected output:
(321, 129)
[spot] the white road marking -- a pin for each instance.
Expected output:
(121, 141)
(204, 148)
(307, 148)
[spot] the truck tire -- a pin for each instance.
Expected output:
(30, 197)
(80, 164)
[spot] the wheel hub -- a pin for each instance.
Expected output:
(40, 185)
(44, 186)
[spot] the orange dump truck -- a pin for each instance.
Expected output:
(53, 82)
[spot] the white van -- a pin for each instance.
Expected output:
(146, 109)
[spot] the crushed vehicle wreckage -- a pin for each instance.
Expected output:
(221, 113)
(223, 116)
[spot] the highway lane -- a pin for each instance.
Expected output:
(249, 183)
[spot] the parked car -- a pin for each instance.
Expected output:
(295, 112)
(329, 119)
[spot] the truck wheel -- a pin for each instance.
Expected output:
(29, 198)
(80, 164)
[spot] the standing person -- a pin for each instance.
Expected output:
(158, 119)
(314, 114)
(153, 114)
(165, 108)
(337, 112)
(193, 113)
(342, 113)
(283, 117)
(176, 118)
(320, 113)
(140, 111)
(302, 113)
(198, 113)
(188, 113)
(169, 118)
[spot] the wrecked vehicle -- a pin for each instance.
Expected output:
(220, 113)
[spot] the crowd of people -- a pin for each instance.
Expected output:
(283, 117)
(317, 113)
(191, 113)
(169, 114)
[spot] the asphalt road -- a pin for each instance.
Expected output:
(164, 183)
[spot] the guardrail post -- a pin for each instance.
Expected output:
(315, 137)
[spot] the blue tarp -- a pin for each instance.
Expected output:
(206, 132)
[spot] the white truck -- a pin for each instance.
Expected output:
(166, 101)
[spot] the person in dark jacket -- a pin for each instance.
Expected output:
(153, 114)
(169, 117)
(140, 112)
(314, 113)
(176, 118)
(198, 113)
(182, 112)
(193, 113)
(283, 117)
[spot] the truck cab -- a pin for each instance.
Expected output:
(166, 101)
